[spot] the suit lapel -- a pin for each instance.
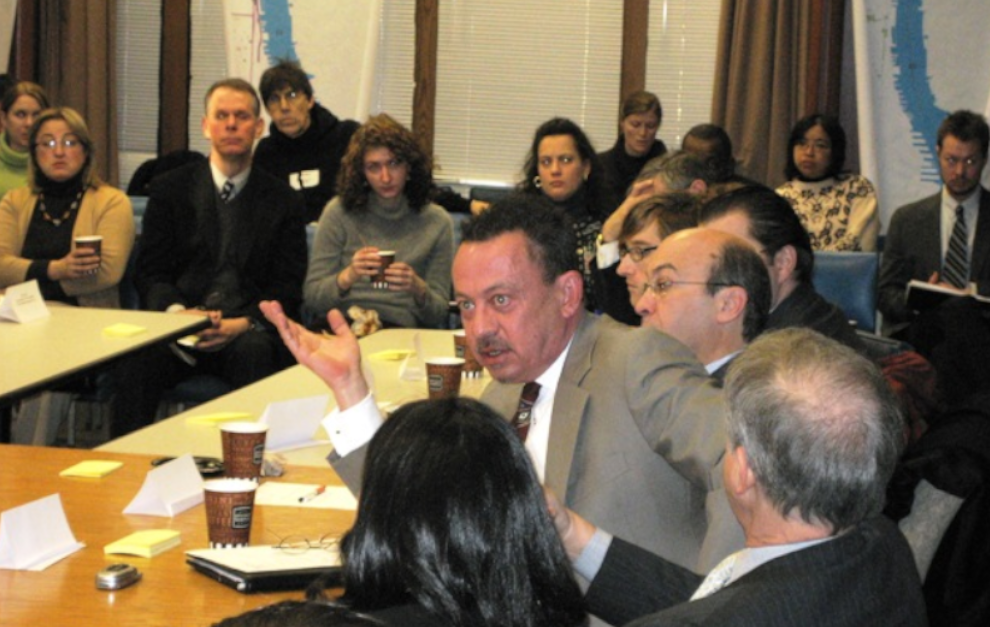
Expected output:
(980, 260)
(929, 231)
(204, 203)
(569, 407)
(246, 224)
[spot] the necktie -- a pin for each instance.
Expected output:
(955, 271)
(718, 578)
(524, 414)
(227, 191)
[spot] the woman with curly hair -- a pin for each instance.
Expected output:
(563, 166)
(383, 204)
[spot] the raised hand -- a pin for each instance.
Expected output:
(335, 358)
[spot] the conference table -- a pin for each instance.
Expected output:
(384, 360)
(72, 341)
(170, 592)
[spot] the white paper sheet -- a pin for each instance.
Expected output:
(23, 303)
(36, 535)
(288, 495)
(293, 423)
(169, 489)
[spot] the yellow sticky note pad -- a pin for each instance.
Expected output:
(218, 418)
(123, 329)
(393, 355)
(91, 468)
(148, 543)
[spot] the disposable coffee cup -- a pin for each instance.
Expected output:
(443, 376)
(387, 257)
(229, 509)
(472, 368)
(243, 449)
(93, 242)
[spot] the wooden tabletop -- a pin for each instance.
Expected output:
(171, 592)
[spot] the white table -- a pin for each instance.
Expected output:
(38, 355)
(176, 436)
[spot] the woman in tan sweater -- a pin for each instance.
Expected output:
(64, 199)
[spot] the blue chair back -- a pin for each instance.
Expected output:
(849, 280)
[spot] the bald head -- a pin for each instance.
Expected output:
(708, 289)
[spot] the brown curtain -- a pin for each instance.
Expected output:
(76, 53)
(761, 79)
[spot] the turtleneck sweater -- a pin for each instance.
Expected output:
(13, 166)
(421, 238)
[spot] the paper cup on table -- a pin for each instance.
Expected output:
(386, 257)
(443, 376)
(229, 509)
(461, 349)
(93, 242)
(243, 449)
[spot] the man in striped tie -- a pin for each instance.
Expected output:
(813, 437)
(945, 240)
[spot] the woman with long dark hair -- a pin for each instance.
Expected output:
(563, 166)
(452, 526)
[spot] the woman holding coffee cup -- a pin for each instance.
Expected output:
(19, 106)
(66, 229)
(380, 244)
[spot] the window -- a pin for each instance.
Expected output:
(139, 27)
(680, 63)
(504, 68)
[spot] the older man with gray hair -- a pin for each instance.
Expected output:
(813, 437)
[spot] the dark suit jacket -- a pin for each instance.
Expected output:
(181, 234)
(862, 578)
(913, 250)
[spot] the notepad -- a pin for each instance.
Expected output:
(219, 417)
(91, 468)
(123, 329)
(148, 543)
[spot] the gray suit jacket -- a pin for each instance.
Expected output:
(866, 576)
(913, 250)
(635, 442)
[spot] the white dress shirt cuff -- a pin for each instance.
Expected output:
(607, 254)
(590, 561)
(354, 427)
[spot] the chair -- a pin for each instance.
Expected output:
(850, 281)
(190, 392)
(489, 194)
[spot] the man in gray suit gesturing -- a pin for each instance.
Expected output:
(626, 424)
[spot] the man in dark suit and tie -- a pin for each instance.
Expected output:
(814, 434)
(768, 222)
(920, 234)
(626, 424)
(218, 238)
(945, 240)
